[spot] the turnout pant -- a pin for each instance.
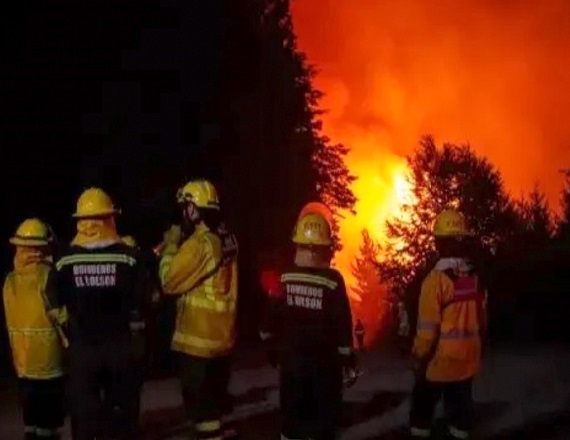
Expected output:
(311, 399)
(96, 371)
(458, 404)
(205, 391)
(42, 407)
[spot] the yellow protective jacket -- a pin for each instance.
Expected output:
(204, 272)
(34, 339)
(452, 319)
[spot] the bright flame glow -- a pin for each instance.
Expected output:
(495, 74)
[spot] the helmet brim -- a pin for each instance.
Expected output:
(311, 244)
(212, 206)
(28, 242)
(101, 214)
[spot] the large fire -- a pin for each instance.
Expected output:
(495, 74)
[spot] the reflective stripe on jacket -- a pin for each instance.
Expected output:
(451, 319)
(36, 348)
(204, 272)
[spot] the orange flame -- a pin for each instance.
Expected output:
(495, 74)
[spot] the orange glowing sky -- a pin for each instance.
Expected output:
(493, 73)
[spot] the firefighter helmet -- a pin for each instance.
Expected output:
(450, 223)
(94, 202)
(200, 192)
(31, 232)
(317, 208)
(312, 230)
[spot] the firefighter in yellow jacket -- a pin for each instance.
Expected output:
(34, 338)
(202, 271)
(451, 324)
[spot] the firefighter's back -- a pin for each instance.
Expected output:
(100, 287)
(317, 318)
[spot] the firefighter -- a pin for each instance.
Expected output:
(36, 346)
(98, 280)
(202, 271)
(359, 332)
(310, 327)
(448, 340)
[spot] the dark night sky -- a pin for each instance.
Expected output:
(118, 94)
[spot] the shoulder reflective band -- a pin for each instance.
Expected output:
(95, 258)
(308, 278)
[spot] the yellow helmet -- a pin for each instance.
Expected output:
(31, 232)
(94, 202)
(200, 192)
(312, 230)
(317, 208)
(450, 223)
(129, 240)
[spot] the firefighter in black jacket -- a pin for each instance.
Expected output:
(311, 326)
(98, 280)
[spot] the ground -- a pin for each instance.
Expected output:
(521, 394)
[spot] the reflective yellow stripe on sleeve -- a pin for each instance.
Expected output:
(164, 267)
(32, 331)
(211, 304)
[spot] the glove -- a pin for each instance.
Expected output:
(349, 376)
(171, 239)
(173, 235)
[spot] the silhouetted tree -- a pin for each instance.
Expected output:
(536, 218)
(442, 177)
(374, 303)
(274, 157)
(329, 176)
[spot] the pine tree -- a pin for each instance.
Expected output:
(536, 218)
(374, 305)
(331, 179)
(275, 137)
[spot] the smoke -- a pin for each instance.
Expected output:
(492, 73)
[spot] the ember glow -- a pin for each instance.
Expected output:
(495, 74)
